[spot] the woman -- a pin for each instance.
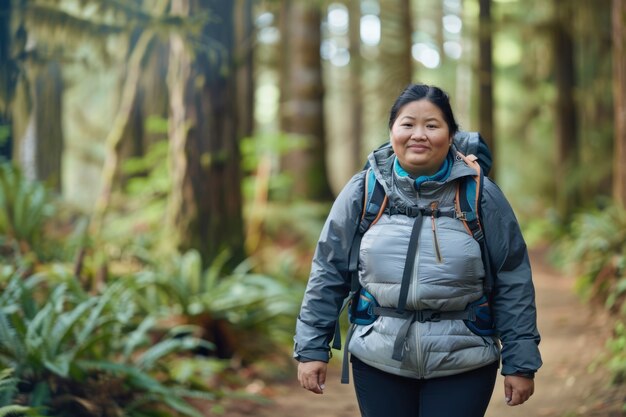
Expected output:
(443, 368)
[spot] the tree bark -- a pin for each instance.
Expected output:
(485, 79)
(151, 101)
(205, 207)
(36, 117)
(356, 91)
(48, 90)
(114, 139)
(395, 49)
(303, 101)
(566, 115)
(244, 39)
(619, 98)
(8, 72)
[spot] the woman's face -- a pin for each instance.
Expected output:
(420, 138)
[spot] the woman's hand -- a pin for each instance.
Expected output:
(312, 375)
(518, 389)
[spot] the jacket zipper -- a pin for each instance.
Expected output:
(434, 207)
(418, 347)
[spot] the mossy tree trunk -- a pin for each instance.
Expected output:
(8, 72)
(356, 90)
(485, 78)
(205, 207)
(619, 91)
(37, 122)
(566, 114)
(302, 100)
(396, 60)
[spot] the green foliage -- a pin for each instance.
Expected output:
(541, 230)
(616, 347)
(136, 219)
(249, 304)
(596, 249)
(98, 349)
(24, 205)
(95, 22)
(267, 149)
(8, 386)
(18, 411)
(5, 133)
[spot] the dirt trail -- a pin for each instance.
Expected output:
(572, 338)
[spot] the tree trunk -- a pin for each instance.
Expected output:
(151, 102)
(440, 37)
(356, 92)
(303, 101)
(37, 123)
(205, 207)
(244, 39)
(485, 79)
(395, 49)
(31, 92)
(48, 89)
(8, 71)
(114, 139)
(566, 117)
(619, 97)
(464, 76)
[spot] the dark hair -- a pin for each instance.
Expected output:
(415, 92)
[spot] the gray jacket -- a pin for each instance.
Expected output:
(446, 282)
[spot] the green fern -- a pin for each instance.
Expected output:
(17, 411)
(596, 251)
(73, 334)
(24, 205)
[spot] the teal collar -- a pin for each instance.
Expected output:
(441, 175)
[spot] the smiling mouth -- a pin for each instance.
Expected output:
(418, 148)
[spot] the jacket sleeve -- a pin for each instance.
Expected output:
(329, 281)
(513, 299)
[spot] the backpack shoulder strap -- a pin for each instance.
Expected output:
(374, 203)
(469, 195)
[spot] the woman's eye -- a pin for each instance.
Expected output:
(431, 126)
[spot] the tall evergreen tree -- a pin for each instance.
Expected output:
(486, 77)
(356, 90)
(205, 207)
(396, 60)
(619, 91)
(566, 114)
(8, 73)
(302, 99)
(35, 103)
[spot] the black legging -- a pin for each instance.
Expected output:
(381, 394)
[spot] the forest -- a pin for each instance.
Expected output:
(166, 167)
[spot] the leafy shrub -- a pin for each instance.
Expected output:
(76, 353)
(135, 219)
(232, 309)
(616, 347)
(596, 249)
(24, 205)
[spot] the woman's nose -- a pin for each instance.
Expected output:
(418, 133)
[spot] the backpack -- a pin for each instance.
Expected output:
(361, 305)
